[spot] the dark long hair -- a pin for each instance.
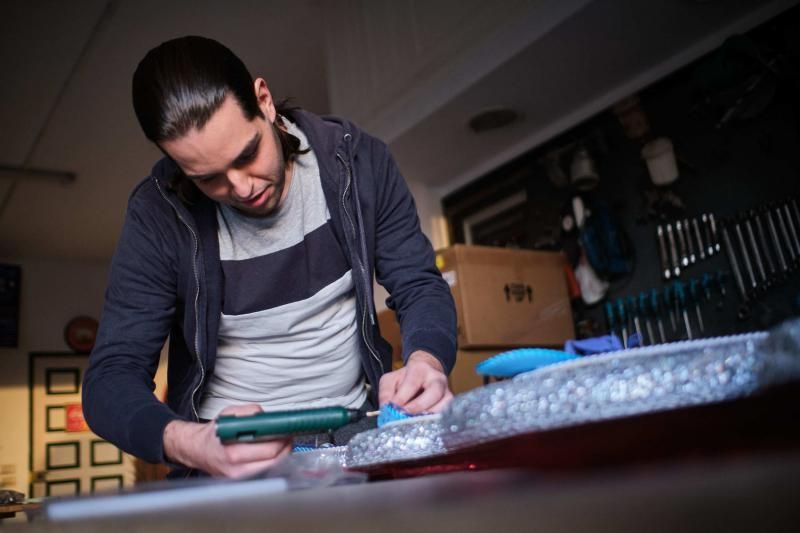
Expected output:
(181, 83)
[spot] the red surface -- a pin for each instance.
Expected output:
(768, 421)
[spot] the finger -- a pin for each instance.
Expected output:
(388, 386)
(241, 410)
(430, 396)
(256, 467)
(443, 403)
(249, 452)
(409, 387)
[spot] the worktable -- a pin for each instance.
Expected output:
(733, 466)
(750, 493)
(9, 510)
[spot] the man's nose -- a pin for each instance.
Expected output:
(240, 183)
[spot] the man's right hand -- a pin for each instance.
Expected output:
(197, 446)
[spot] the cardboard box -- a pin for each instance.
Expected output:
(507, 298)
(463, 377)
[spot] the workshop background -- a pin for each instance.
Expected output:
(499, 119)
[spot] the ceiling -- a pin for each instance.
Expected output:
(65, 93)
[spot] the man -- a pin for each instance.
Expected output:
(252, 245)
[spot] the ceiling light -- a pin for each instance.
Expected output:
(492, 119)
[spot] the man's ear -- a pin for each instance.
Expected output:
(264, 99)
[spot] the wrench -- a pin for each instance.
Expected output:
(756, 254)
(776, 242)
(714, 231)
(707, 229)
(676, 269)
(663, 250)
(763, 239)
(737, 274)
(700, 247)
(785, 235)
(688, 234)
(682, 243)
(790, 222)
(746, 255)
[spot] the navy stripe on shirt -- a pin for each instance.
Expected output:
(286, 276)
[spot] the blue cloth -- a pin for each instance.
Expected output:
(606, 343)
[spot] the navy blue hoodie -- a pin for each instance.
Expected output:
(166, 280)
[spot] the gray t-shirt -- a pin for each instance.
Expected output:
(288, 335)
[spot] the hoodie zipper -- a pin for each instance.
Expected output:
(196, 297)
(360, 265)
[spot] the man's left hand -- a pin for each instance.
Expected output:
(419, 387)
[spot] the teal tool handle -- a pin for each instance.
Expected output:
(610, 316)
(263, 426)
(621, 312)
(643, 310)
(680, 295)
(654, 305)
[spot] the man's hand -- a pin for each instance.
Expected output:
(197, 446)
(419, 387)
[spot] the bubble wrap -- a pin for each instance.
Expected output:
(617, 384)
(593, 388)
(412, 438)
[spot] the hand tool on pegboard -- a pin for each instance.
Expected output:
(644, 311)
(666, 270)
(655, 308)
(673, 252)
(776, 243)
(680, 305)
(710, 248)
(751, 282)
(610, 318)
(764, 243)
(701, 249)
(694, 296)
(715, 238)
(634, 313)
(623, 321)
(751, 239)
(669, 305)
(684, 255)
(744, 306)
(763, 249)
(687, 232)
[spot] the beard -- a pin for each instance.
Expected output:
(277, 180)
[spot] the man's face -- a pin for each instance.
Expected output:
(235, 161)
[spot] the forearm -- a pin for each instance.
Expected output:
(126, 413)
(197, 445)
(178, 438)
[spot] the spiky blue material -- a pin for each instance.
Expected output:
(391, 413)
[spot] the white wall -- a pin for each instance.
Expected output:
(51, 294)
(391, 63)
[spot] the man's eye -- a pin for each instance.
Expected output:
(246, 158)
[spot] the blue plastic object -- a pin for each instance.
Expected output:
(509, 364)
(391, 413)
(594, 345)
